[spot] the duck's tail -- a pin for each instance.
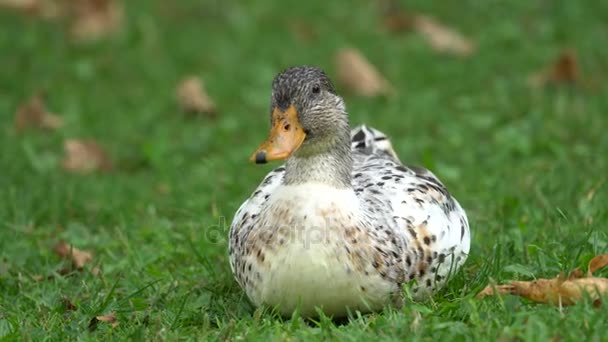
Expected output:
(369, 140)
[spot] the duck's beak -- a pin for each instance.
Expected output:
(286, 136)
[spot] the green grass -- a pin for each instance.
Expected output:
(521, 161)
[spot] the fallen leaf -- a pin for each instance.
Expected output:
(38, 277)
(79, 257)
(359, 75)
(564, 70)
(109, 318)
(68, 305)
(575, 274)
(399, 21)
(192, 97)
(87, 19)
(85, 156)
(34, 114)
(492, 290)
(559, 290)
(442, 38)
(94, 19)
(46, 9)
(302, 30)
(394, 18)
(95, 270)
(597, 263)
(27, 6)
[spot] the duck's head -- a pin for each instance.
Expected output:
(306, 115)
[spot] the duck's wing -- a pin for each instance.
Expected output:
(369, 144)
(414, 204)
(370, 141)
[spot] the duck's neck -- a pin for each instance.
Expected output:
(328, 161)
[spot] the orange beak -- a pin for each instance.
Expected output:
(286, 136)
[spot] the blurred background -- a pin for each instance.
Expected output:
(127, 125)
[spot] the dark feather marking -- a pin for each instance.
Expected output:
(360, 136)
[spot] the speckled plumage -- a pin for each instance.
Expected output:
(320, 244)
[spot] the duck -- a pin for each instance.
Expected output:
(342, 226)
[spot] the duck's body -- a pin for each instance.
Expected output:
(342, 229)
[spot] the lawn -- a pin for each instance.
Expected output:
(529, 164)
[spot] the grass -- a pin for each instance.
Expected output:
(529, 165)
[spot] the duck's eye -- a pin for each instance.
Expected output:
(316, 89)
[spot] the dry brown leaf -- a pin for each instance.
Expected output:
(559, 290)
(192, 97)
(359, 75)
(85, 156)
(394, 18)
(575, 274)
(95, 270)
(109, 318)
(94, 19)
(442, 38)
(399, 21)
(46, 9)
(597, 263)
(490, 290)
(564, 70)
(35, 114)
(87, 19)
(26, 6)
(78, 257)
(38, 277)
(68, 305)
(302, 30)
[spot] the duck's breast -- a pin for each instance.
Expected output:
(300, 256)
